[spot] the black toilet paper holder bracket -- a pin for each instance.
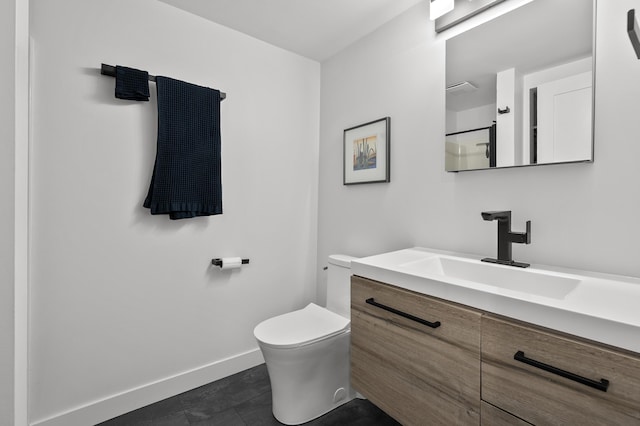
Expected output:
(218, 261)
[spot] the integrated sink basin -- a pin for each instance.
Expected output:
(529, 281)
(597, 306)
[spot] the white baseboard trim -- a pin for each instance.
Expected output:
(121, 403)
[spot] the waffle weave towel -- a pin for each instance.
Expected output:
(132, 84)
(186, 179)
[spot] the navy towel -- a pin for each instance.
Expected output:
(132, 84)
(186, 179)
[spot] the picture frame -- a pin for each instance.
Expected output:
(366, 152)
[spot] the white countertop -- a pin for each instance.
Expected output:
(602, 307)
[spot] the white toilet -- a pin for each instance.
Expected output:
(307, 352)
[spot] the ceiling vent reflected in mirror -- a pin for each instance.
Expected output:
(462, 87)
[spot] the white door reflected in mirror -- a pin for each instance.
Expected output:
(564, 117)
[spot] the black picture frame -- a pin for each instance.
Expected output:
(366, 153)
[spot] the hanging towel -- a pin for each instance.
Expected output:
(186, 179)
(132, 84)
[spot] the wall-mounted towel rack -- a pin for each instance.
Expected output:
(110, 70)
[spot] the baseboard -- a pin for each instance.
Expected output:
(115, 405)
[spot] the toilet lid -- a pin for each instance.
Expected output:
(302, 327)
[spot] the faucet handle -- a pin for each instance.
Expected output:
(497, 215)
(521, 237)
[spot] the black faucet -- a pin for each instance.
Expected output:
(506, 238)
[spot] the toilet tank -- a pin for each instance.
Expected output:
(339, 284)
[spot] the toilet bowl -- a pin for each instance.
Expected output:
(307, 352)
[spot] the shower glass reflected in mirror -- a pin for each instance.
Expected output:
(520, 88)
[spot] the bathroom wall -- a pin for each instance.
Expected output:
(583, 215)
(7, 121)
(125, 307)
(473, 118)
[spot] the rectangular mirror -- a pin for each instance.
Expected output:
(520, 88)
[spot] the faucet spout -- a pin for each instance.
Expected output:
(506, 237)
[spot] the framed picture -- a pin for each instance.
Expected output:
(366, 152)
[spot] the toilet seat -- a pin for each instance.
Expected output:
(301, 327)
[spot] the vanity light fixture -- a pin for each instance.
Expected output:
(437, 8)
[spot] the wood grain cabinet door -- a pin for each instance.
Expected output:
(549, 378)
(420, 372)
(493, 416)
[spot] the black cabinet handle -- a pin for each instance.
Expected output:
(371, 301)
(602, 385)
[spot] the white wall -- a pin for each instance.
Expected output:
(506, 127)
(583, 215)
(123, 303)
(473, 118)
(7, 138)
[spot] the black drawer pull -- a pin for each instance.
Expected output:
(602, 385)
(370, 301)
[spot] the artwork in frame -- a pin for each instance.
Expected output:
(366, 152)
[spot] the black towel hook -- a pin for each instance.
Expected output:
(633, 31)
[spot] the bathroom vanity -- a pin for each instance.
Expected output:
(415, 372)
(434, 341)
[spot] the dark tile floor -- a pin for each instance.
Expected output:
(243, 399)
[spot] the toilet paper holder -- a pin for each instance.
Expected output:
(218, 261)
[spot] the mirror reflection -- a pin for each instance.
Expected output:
(520, 88)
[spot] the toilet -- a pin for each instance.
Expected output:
(307, 352)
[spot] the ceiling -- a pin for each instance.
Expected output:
(316, 29)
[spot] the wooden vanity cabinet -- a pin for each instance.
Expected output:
(550, 378)
(414, 356)
(427, 361)
(493, 416)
